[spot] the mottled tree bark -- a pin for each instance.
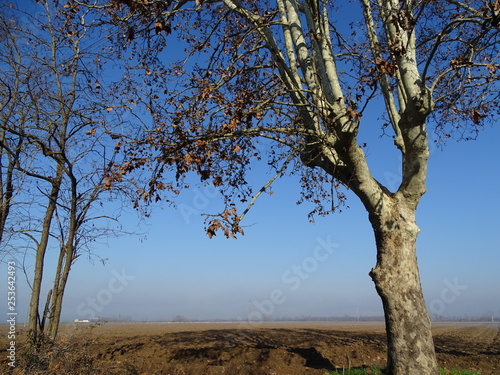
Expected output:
(410, 347)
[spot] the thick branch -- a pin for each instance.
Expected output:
(384, 80)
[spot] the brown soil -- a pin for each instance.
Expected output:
(229, 348)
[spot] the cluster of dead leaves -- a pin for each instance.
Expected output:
(228, 224)
(385, 67)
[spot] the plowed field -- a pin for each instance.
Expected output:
(267, 348)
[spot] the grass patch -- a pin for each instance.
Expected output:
(379, 371)
(359, 371)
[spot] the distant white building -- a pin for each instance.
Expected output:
(95, 319)
(81, 321)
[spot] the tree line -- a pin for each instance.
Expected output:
(57, 149)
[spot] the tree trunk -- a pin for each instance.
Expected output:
(63, 268)
(33, 323)
(410, 347)
(45, 311)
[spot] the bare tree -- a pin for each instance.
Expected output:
(57, 132)
(308, 75)
(11, 146)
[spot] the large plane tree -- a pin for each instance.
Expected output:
(308, 75)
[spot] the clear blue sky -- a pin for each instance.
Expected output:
(280, 266)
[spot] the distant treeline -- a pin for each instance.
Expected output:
(344, 318)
